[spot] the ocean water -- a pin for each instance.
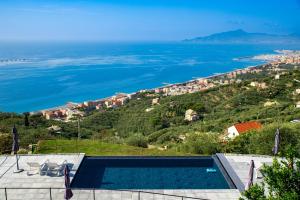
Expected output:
(35, 76)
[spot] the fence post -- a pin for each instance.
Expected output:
(182, 198)
(94, 194)
(139, 195)
(56, 149)
(76, 143)
(5, 194)
(50, 192)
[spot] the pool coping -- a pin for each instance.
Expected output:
(231, 173)
(226, 175)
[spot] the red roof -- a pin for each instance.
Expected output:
(247, 126)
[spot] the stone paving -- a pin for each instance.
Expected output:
(31, 182)
(8, 179)
(241, 164)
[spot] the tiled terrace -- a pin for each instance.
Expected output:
(8, 179)
(241, 164)
(238, 164)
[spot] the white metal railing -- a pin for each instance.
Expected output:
(87, 194)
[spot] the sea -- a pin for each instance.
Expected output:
(40, 75)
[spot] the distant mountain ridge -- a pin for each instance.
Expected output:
(241, 36)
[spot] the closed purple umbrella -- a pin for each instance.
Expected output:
(15, 147)
(277, 142)
(68, 191)
(251, 175)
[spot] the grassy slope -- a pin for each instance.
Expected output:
(223, 107)
(219, 108)
(95, 147)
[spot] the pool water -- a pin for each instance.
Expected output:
(149, 173)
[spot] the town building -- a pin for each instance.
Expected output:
(191, 115)
(155, 101)
(241, 128)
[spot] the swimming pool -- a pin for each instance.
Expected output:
(151, 173)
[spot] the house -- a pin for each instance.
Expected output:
(158, 90)
(155, 101)
(297, 104)
(241, 128)
(297, 91)
(54, 114)
(191, 115)
(262, 85)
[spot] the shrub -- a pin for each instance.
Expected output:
(282, 180)
(5, 143)
(23, 151)
(262, 141)
(202, 143)
(137, 140)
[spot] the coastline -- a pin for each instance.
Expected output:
(265, 58)
(164, 85)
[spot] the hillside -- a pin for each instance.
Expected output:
(241, 36)
(162, 126)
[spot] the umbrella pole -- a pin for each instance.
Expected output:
(17, 162)
(18, 168)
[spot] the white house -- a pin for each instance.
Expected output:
(241, 128)
(191, 115)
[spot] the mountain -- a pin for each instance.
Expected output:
(241, 36)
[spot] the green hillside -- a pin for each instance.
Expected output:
(163, 125)
(92, 148)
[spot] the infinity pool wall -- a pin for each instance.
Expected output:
(150, 173)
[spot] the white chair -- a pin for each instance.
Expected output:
(55, 168)
(36, 168)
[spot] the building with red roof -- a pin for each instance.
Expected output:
(241, 128)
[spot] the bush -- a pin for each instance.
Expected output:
(202, 143)
(137, 140)
(282, 180)
(5, 143)
(23, 151)
(262, 141)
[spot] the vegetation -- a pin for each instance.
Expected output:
(5, 143)
(96, 147)
(282, 180)
(262, 141)
(164, 126)
(137, 140)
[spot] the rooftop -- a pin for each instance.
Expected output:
(246, 126)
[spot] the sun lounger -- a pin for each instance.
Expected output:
(35, 168)
(54, 168)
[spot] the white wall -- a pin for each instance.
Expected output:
(232, 132)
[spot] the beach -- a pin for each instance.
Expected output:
(53, 75)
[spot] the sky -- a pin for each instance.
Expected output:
(142, 20)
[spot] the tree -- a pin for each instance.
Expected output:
(202, 143)
(282, 180)
(5, 143)
(26, 120)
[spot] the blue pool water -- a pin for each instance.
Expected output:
(149, 173)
